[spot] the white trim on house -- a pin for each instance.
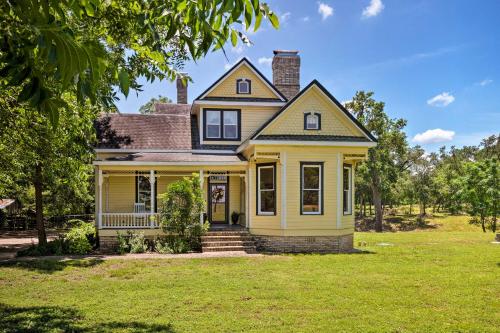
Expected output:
(319, 189)
(135, 151)
(295, 101)
(245, 144)
(225, 75)
(283, 191)
(340, 161)
(243, 103)
(349, 190)
(144, 163)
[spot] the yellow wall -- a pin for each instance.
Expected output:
(333, 122)
(118, 195)
(227, 88)
(297, 224)
(252, 117)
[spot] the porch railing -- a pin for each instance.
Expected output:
(129, 220)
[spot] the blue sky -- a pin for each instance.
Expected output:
(434, 63)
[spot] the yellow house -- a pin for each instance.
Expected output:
(281, 157)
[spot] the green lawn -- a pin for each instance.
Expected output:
(445, 279)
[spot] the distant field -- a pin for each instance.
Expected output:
(442, 279)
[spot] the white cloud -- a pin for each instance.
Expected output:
(434, 136)
(374, 8)
(441, 100)
(305, 19)
(265, 61)
(238, 49)
(485, 82)
(324, 10)
(285, 17)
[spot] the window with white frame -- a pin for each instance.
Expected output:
(312, 121)
(230, 124)
(266, 189)
(243, 86)
(311, 188)
(143, 191)
(213, 121)
(221, 124)
(347, 190)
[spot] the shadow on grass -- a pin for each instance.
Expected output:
(59, 319)
(49, 266)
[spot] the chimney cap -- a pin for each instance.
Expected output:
(285, 52)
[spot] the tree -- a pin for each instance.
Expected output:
(180, 209)
(55, 162)
(86, 48)
(149, 107)
(481, 192)
(388, 158)
(422, 178)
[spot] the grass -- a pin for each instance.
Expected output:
(444, 279)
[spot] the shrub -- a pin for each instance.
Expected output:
(161, 246)
(180, 209)
(123, 244)
(79, 238)
(138, 243)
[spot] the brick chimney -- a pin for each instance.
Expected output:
(286, 72)
(182, 91)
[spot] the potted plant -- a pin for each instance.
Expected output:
(235, 216)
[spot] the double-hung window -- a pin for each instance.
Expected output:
(143, 191)
(347, 190)
(230, 124)
(213, 120)
(221, 124)
(266, 189)
(311, 174)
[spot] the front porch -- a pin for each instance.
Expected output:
(130, 199)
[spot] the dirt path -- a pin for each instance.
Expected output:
(13, 241)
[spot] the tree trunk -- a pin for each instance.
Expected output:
(42, 237)
(377, 201)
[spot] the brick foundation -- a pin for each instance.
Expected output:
(108, 244)
(304, 244)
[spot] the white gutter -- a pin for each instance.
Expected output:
(242, 103)
(135, 151)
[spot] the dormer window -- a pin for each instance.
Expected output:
(312, 121)
(243, 86)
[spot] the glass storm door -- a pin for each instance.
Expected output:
(218, 202)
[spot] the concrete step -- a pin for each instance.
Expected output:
(226, 238)
(227, 233)
(248, 249)
(227, 243)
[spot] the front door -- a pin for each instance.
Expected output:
(218, 203)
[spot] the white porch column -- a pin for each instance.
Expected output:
(340, 168)
(99, 212)
(283, 191)
(202, 179)
(247, 202)
(152, 181)
(249, 184)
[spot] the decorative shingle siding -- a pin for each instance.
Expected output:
(227, 88)
(333, 122)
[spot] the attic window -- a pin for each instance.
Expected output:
(243, 86)
(312, 121)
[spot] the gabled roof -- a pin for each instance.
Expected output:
(243, 61)
(332, 99)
